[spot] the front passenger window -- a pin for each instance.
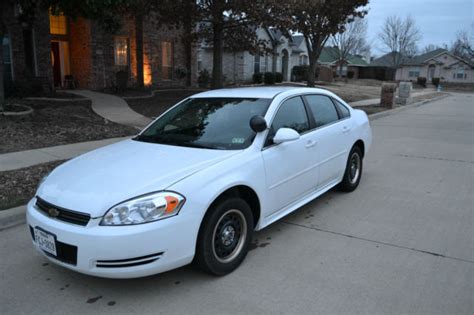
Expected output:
(323, 109)
(291, 114)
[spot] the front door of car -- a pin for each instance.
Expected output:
(332, 129)
(290, 167)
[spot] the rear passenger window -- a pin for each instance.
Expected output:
(342, 109)
(323, 109)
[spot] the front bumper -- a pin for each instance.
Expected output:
(120, 251)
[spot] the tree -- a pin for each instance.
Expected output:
(350, 42)
(428, 48)
(317, 21)
(400, 38)
(463, 46)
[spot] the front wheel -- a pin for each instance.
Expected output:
(224, 237)
(353, 171)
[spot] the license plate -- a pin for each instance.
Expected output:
(46, 241)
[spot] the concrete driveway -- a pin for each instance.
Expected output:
(403, 243)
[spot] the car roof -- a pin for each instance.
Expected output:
(258, 92)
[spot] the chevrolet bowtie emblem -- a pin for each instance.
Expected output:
(52, 212)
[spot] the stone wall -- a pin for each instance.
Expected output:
(34, 62)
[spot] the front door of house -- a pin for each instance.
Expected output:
(431, 72)
(56, 62)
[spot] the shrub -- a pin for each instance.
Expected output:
(350, 74)
(269, 78)
(204, 79)
(435, 81)
(257, 78)
(121, 80)
(278, 77)
(300, 73)
(421, 81)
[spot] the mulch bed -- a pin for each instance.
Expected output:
(56, 123)
(156, 105)
(19, 186)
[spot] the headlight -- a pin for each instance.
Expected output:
(148, 208)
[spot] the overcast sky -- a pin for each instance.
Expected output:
(438, 20)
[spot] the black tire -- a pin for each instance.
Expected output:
(352, 177)
(214, 253)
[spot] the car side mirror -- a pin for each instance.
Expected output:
(258, 123)
(285, 135)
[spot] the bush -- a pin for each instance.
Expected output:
(435, 81)
(421, 81)
(269, 78)
(204, 79)
(350, 74)
(278, 77)
(121, 80)
(257, 78)
(300, 73)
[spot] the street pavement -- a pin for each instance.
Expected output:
(402, 243)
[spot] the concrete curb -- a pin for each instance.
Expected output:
(12, 217)
(376, 116)
(16, 216)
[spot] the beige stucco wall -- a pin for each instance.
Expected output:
(446, 66)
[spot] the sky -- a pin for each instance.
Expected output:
(438, 20)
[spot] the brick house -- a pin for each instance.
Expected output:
(57, 50)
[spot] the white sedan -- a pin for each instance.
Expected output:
(198, 181)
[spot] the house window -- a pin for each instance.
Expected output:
(263, 65)
(414, 73)
(121, 51)
(303, 60)
(57, 24)
(7, 63)
(167, 60)
(460, 74)
(256, 66)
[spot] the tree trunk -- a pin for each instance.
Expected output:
(313, 61)
(139, 48)
(188, 51)
(218, 50)
(275, 58)
(340, 69)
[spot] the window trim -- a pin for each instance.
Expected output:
(339, 115)
(309, 114)
(265, 145)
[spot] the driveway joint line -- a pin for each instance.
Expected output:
(379, 242)
(432, 158)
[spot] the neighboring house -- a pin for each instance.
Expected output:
(57, 50)
(438, 63)
(351, 66)
(283, 53)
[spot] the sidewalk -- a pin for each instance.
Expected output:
(16, 160)
(113, 108)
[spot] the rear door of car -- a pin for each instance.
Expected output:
(331, 134)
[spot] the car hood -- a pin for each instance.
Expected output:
(94, 182)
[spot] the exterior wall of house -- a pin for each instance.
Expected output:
(446, 67)
(90, 53)
(240, 67)
(80, 51)
(30, 51)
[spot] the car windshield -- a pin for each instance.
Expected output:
(211, 123)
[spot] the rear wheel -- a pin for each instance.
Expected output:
(224, 237)
(353, 171)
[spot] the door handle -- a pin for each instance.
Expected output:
(345, 129)
(311, 143)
